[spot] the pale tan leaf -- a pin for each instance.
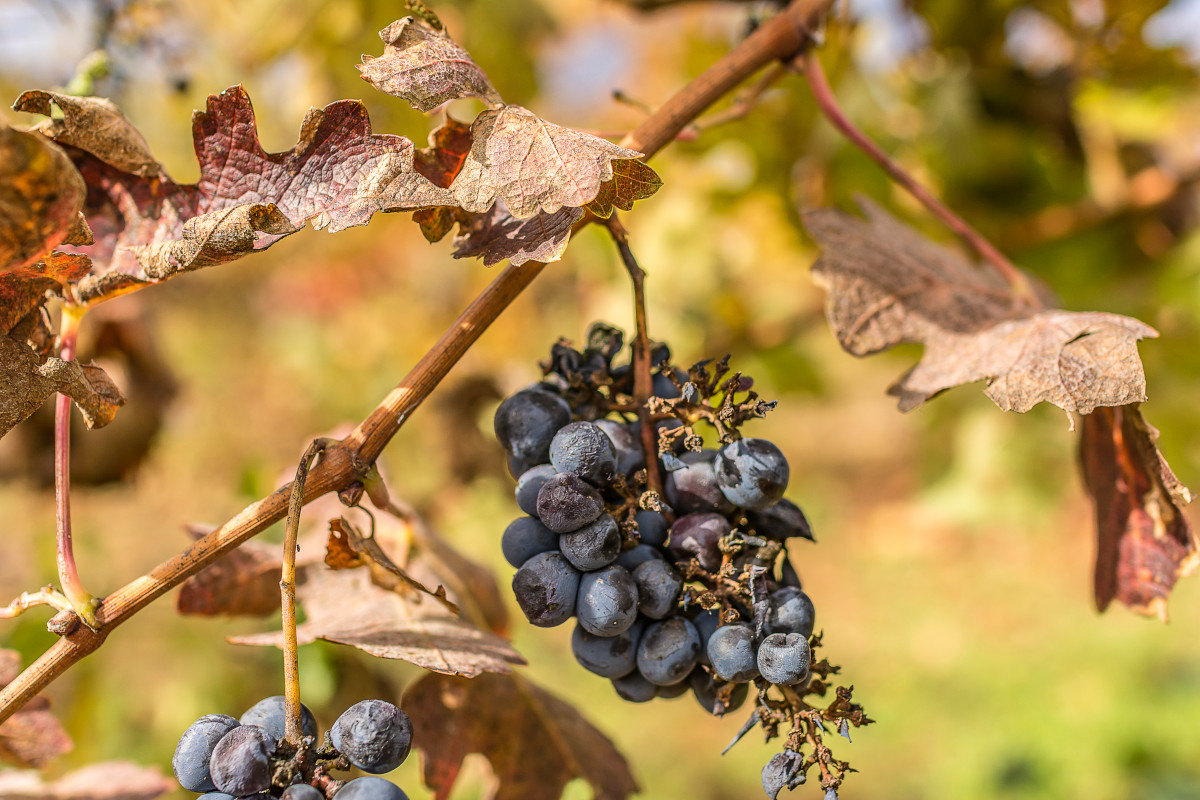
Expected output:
(497, 236)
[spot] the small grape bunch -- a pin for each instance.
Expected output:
(224, 758)
(676, 584)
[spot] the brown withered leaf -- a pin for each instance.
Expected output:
(425, 67)
(449, 145)
(348, 547)
(109, 780)
(41, 194)
(27, 380)
(632, 180)
(346, 607)
(532, 165)
(888, 284)
(534, 741)
(243, 582)
(148, 228)
(32, 737)
(497, 235)
(1145, 542)
(96, 125)
(24, 289)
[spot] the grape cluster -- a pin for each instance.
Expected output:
(224, 758)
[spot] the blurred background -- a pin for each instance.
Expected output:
(952, 573)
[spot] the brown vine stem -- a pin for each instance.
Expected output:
(778, 39)
(292, 728)
(641, 353)
(1022, 290)
(68, 571)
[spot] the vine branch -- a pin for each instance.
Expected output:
(781, 38)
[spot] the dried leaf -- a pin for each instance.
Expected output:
(449, 145)
(425, 67)
(32, 737)
(24, 289)
(532, 165)
(41, 194)
(1145, 541)
(26, 381)
(244, 582)
(346, 607)
(632, 180)
(96, 125)
(110, 780)
(149, 228)
(348, 547)
(887, 284)
(496, 236)
(534, 741)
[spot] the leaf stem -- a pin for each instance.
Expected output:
(779, 38)
(292, 728)
(641, 353)
(1022, 290)
(81, 600)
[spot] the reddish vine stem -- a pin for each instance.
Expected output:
(68, 571)
(641, 353)
(293, 730)
(780, 38)
(1022, 290)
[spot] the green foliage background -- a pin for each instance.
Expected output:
(952, 574)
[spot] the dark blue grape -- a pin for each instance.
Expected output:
(663, 386)
(607, 656)
(566, 503)
(528, 486)
(715, 696)
(731, 652)
(791, 612)
(634, 688)
(752, 473)
(780, 521)
(697, 535)
(706, 623)
(627, 444)
(524, 538)
(268, 714)
(241, 761)
(526, 422)
(782, 770)
(585, 450)
(635, 556)
(301, 791)
(545, 587)
(370, 787)
(593, 546)
(195, 747)
(678, 689)
(658, 585)
(216, 796)
(607, 603)
(783, 658)
(668, 651)
(373, 735)
(694, 487)
(652, 528)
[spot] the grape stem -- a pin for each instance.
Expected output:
(779, 38)
(641, 353)
(292, 727)
(1022, 289)
(81, 600)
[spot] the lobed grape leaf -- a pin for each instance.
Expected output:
(243, 582)
(41, 195)
(531, 164)
(1145, 541)
(27, 380)
(424, 66)
(149, 228)
(109, 780)
(888, 284)
(497, 235)
(32, 737)
(349, 548)
(632, 180)
(534, 741)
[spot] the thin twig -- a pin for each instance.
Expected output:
(641, 353)
(46, 596)
(68, 571)
(1022, 289)
(292, 725)
(779, 38)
